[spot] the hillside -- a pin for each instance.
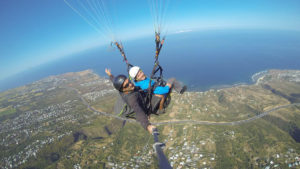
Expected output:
(67, 121)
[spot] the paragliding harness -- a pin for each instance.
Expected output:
(159, 81)
(121, 108)
(150, 101)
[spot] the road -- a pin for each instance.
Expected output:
(232, 123)
(94, 110)
(227, 123)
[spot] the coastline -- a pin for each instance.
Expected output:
(255, 79)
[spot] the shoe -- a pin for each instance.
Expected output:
(183, 90)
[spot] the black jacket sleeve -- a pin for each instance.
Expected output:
(135, 102)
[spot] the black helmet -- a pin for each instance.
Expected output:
(118, 81)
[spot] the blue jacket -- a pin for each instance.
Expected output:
(144, 84)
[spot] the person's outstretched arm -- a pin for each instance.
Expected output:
(141, 116)
(108, 72)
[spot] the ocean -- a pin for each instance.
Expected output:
(202, 60)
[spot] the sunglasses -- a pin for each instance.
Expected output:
(125, 85)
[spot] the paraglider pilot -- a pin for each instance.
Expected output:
(131, 95)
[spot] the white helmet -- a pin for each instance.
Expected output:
(134, 71)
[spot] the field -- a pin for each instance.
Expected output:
(58, 122)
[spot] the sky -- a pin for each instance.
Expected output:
(33, 32)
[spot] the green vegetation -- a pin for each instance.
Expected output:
(7, 111)
(105, 104)
(54, 125)
(50, 155)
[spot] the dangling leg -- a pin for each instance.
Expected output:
(176, 85)
(161, 104)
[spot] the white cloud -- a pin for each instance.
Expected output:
(183, 31)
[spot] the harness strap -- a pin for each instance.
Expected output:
(121, 49)
(159, 44)
(122, 111)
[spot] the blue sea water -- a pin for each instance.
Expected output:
(202, 60)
